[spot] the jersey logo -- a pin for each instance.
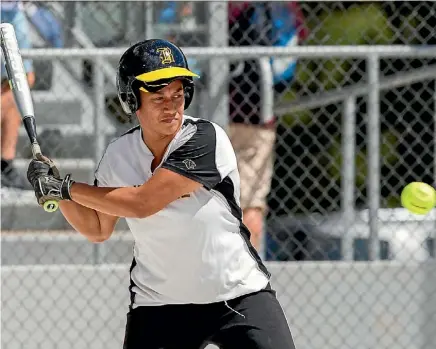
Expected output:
(190, 165)
(165, 55)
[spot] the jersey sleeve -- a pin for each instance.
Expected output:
(205, 155)
(103, 172)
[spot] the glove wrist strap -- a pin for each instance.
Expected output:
(66, 186)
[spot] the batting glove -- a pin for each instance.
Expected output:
(47, 183)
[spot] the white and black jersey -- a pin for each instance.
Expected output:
(195, 250)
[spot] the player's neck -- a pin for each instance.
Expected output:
(157, 144)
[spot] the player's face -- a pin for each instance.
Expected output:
(162, 112)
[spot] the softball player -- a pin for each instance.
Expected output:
(195, 278)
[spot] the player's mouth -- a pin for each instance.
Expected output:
(169, 119)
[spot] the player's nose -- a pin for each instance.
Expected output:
(170, 108)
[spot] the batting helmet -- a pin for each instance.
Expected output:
(149, 66)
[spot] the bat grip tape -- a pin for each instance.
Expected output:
(30, 126)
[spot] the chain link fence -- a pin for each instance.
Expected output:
(331, 204)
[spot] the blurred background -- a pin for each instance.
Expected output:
(350, 128)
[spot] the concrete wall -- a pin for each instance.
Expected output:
(329, 305)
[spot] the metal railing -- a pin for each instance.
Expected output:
(372, 89)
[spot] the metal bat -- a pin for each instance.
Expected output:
(18, 82)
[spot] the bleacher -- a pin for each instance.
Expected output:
(65, 125)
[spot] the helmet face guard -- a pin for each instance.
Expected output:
(150, 66)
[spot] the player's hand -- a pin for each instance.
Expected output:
(50, 163)
(46, 185)
(39, 168)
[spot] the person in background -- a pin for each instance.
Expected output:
(12, 12)
(46, 23)
(252, 136)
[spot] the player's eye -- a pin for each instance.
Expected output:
(158, 99)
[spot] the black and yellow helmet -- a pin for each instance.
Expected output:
(149, 66)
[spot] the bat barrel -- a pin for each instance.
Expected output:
(15, 69)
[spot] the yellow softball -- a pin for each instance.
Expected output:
(418, 197)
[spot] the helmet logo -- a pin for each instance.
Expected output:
(165, 55)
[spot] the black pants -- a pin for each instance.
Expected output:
(254, 321)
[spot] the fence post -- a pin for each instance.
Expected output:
(266, 114)
(218, 68)
(99, 127)
(266, 89)
(373, 154)
(434, 162)
(348, 176)
(149, 30)
(70, 9)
